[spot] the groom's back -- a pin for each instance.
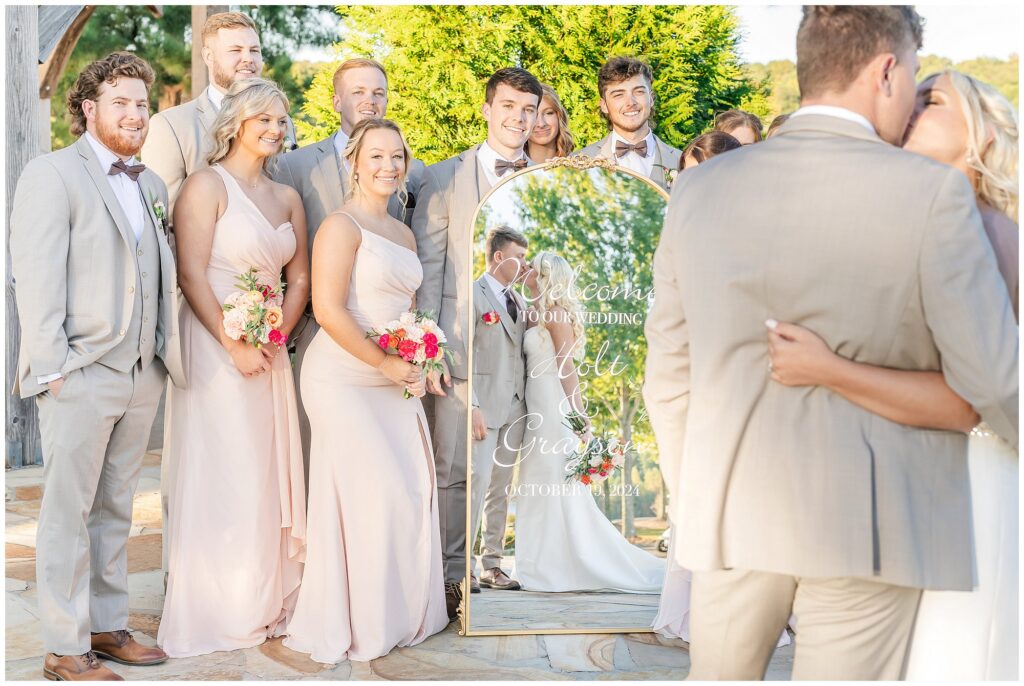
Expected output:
(822, 226)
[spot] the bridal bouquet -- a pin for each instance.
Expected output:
(253, 313)
(598, 459)
(416, 338)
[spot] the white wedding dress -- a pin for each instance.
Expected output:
(563, 540)
(972, 635)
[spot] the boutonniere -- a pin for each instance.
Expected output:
(491, 318)
(670, 175)
(160, 212)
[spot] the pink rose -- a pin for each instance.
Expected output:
(277, 338)
(431, 351)
(383, 341)
(407, 350)
(429, 340)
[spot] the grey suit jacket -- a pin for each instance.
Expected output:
(179, 141)
(882, 253)
(72, 256)
(664, 156)
(442, 223)
(316, 173)
(499, 370)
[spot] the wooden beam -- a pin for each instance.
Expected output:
(22, 47)
(54, 21)
(51, 71)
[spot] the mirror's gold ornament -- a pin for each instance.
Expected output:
(581, 162)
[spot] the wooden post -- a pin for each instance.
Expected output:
(199, 75)
(22, 99)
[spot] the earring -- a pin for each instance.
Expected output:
(355, 177)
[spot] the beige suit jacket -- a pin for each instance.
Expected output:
(72, 256)
(499, 370)
(883, 254)
(179, 140)
(664, 156)
(316, 173)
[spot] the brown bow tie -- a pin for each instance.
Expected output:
(132, 171)
(502, 166)
(621, 148)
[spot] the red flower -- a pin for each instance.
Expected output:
(277, 338)
(407, 349)
(592, 470)
(604, 473)
(431, 351)
(266, 292)
(491, 318)
(429, 339)
(585, 480)
(383, 341)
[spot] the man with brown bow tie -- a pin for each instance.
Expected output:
(96, 294)
(443, 224)
(627, 104)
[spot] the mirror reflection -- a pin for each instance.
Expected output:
(567, 501)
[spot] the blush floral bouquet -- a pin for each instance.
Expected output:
(598, 458)
(253, 313)
(416, 338)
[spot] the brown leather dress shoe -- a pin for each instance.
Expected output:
(452, 598)
(120, 646)
(76, 668)
(474, 585)
(497, 579)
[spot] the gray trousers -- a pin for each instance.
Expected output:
(494, 460)
(94, 436)
(447, 417)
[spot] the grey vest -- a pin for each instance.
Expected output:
(139, 334)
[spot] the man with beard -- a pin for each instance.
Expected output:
(627, 104)
(320, 174)
(443, 224)
(180, 137)
(96, 298)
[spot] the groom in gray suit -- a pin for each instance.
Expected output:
(319, 173)
(96, 294)
(443, 224)
(791, 499)
(626, 87)
(499, 396)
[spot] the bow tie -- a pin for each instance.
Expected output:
(132, 171)
(502, 166)
(621, 148)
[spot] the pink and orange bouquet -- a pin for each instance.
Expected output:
(253, 313)
(416, 338)
(598, 459)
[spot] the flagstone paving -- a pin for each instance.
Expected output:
(445, 656)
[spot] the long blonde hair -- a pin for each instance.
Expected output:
(565, 142)
(245, 99)
(987, 113)
(556, 283)
(355, 144)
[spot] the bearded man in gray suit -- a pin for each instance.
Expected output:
(96, 295)
(626, 87)
(320, 175)
(443, 224)
(792, 499)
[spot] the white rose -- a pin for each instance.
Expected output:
(234, 324)
(596, 460)
(421, 355)
(407, 319)
(237, 299)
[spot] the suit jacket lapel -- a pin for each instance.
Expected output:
(330, 167)
(607, 149)
(98, 175)
(207, 112)
(498, 306)
(658, 170)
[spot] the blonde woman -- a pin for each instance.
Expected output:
(961, 636)
(373, 577)
(551, 136)
(236, 522)
(563, 540)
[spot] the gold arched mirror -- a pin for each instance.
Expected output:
(577, 524)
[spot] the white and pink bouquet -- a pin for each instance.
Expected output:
(253, 313)
(416, 338)
(598, 458)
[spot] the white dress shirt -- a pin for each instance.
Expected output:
(215, 95)
(340, 141)
(641, 165)
(496, 288)
(833, 111)
(128, 195)
(487, 157)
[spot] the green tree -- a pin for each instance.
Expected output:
(439, 58)
(166, 43)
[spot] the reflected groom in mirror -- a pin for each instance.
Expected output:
(499, 396)
(443, 225)
(625, 85)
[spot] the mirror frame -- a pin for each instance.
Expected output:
(582, 163)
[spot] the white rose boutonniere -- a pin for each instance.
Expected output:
(160, 212)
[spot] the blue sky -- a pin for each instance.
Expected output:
(958, 32)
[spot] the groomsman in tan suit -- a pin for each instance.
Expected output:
(627, 104)
(320, 174)
(96, 295)
(791, 499)
(499, 397)
(179, 137)
(443, 224)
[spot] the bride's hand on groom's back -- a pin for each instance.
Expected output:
(798, 356)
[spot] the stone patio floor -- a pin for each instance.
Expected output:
(445, 656)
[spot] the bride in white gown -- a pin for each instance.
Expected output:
(563, 540)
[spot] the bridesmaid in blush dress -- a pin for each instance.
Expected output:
(236, 522)
(373, 577)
